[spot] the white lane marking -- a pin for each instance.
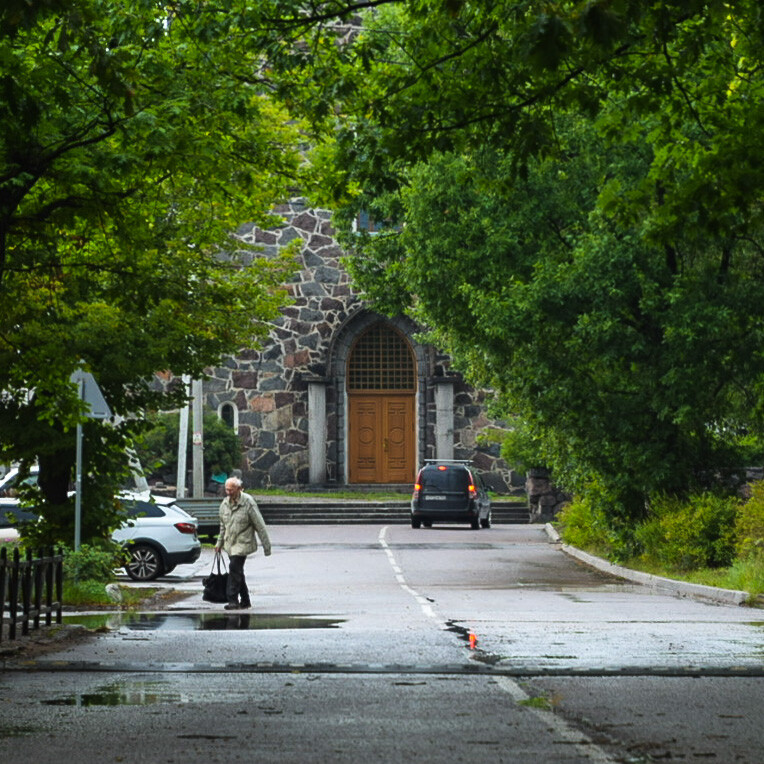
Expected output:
(581, 742)
(424, 603)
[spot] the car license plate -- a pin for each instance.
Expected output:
(436, 498)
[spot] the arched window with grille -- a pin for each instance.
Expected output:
(381, 359)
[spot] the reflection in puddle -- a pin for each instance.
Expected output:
(200, 621)
(122, 694)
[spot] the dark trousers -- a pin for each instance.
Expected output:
(237, 584)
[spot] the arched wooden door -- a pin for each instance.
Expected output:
(381, 387)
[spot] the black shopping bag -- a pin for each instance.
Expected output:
(216, 584)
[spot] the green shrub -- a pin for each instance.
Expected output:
(92, 563)
(157, 449)
(584, 525)
(598, 522)
(749, 528)
(684, 535)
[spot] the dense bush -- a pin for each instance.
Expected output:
(584, 525)
(92, 563)
(596, 522)
(749, 528)
(686, 535)
(695, 539)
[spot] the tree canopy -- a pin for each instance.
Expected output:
(135, 138)
(574, 192)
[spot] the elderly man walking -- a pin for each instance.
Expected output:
(240, 526)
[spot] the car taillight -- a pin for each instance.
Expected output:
(186, 527)
(417, 489)
(471, 492)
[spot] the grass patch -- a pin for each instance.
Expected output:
(93, 594)
(540, 702)
(353, 495)
(744, 575)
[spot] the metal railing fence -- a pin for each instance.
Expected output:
(30, 589)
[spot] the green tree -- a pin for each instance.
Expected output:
(575, 198)
(157, 449)
(135, 137)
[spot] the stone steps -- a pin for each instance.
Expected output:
(339, 512)
(379, 513)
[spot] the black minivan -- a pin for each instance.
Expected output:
(450, 491)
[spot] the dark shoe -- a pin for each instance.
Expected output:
(245, 605)
(232, 606)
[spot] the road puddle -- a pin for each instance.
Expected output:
(145, 692)
(122, 694)
(237, 621)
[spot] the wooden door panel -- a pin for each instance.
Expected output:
(397, 462)
(381, 438)
(364, 440)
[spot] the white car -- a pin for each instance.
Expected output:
(10, 479)
(8, 532)
(158, 534)
(10, 517)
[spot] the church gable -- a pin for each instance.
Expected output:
(291, 397)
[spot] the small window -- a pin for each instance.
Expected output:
(227, 413)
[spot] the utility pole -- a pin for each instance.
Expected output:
(96, 408)
(180, 483)
(198, 438)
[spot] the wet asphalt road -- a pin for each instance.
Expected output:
(384, 643)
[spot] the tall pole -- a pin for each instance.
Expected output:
(198, 439)
(78, 492)
(97, 408)
(180, 490)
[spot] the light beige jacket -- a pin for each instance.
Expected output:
(240, 526)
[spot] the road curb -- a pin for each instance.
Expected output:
(659, 583)
(453, 669)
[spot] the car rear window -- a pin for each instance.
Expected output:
(448, 479)
(143, 509)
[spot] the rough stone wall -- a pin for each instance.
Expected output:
(269, 388)
(470, 422)
(545, 499)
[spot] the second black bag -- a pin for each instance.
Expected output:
(216, 584)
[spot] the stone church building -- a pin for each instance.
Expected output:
(339, 394)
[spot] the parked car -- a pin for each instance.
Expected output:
(10, 481)
(158, 535)
(10, 518)
(450, 491)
